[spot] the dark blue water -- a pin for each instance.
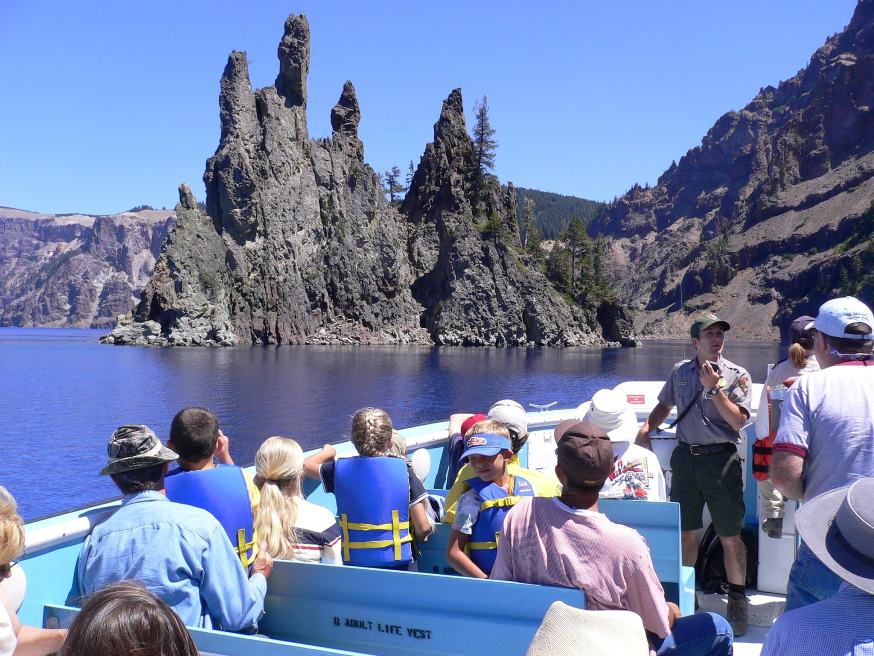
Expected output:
(62, 394)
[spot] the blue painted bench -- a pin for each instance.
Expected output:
(400, 613)
(657, 522)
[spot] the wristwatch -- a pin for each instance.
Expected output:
(712, 392)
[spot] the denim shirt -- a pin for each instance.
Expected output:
(181, 554)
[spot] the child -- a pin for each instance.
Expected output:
(480, 511)
(227, 492)
(378, 496)
(292, 527)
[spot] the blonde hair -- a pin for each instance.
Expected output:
(798, 355)
(398, 445)
(11, 528)
(278, 473)
(371, 432)
(489, 426)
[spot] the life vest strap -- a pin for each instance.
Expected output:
(244, 547)
(485, 545)
(395, 527)
(503, 502)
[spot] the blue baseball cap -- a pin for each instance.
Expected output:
(485, 444)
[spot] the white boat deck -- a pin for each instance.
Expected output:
(764, 611)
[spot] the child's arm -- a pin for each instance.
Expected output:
(422, 525)
(458, 559)
(311, 465)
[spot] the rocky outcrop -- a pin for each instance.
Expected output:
(298, 244)
(76, 270)
(771, 214)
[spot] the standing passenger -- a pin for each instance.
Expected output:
(826, 434)
(292, 527)
(801, 360)
(225, 491)
(378, 495)
(713, 398)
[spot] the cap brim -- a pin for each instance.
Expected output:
(823, 539)
(810, 326)
(138, 462)
(481, 451)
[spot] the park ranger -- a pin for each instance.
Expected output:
(713, 398)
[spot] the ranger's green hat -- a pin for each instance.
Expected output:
(705, 321)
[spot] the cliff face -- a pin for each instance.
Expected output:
(76, 270)
(771, 214)
(299, 245)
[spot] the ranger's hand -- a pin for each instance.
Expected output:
(709, 376)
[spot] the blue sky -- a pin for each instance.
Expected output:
(107, 105)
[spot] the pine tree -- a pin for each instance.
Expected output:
(484, 146)
(391, 181)
(578, 245)
(527, 220)
(410, 173)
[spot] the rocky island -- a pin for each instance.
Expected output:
(298, 244)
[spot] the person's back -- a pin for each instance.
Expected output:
(832, 410)
(167, 547)
(223, 490)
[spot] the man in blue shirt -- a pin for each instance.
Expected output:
(838, 527)
(179, 552)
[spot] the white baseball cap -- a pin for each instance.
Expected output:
(512, 414)
(835, 315)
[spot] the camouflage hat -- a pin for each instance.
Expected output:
(135, 447)
(705, 321)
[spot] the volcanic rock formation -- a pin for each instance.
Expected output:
(771, 214)
(299, 245)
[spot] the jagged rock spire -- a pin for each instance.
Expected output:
(187, 201)
(294, 61)
(236, 100)
(345, 117)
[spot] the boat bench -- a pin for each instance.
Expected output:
(658, 522)
(327, 609)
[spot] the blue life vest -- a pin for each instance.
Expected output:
(373, 501)
(496, 503)
(223, 492)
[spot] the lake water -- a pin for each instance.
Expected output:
(62, 394)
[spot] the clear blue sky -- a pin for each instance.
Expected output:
(105, 105)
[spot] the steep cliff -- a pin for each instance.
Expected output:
(75, 270)
(771, 214)
(299, 245)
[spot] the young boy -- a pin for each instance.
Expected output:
(481, 510)
(224, 490)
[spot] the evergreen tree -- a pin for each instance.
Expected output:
(527, 219)
(484, 146)
(410, 172)
(578, 245)
(391, 181)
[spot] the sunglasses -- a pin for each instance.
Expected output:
(6, 570)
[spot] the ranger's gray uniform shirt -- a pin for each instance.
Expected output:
(703, 424)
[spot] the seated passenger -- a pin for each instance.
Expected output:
(292, 527)
(481, 510)
(637, 473)
(513, 416)
(125, 619)
(225, 491)
(15, 637)
(179, 552)
(379, 498)
(566, 542)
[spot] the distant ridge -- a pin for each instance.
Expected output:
(771, 214)
(554, 211)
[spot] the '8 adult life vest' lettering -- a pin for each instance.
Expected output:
(223, 492)
(496, 503)
(373, 502)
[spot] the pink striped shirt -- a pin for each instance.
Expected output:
(545, 541)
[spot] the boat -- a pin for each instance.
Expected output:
(323, 609)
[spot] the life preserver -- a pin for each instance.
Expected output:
(223, 492)
(763, 448)
(373, 501)
(496, 503)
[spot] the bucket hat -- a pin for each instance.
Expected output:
(609, 411)
(511, 413)
(135, 446)
(838, 527)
